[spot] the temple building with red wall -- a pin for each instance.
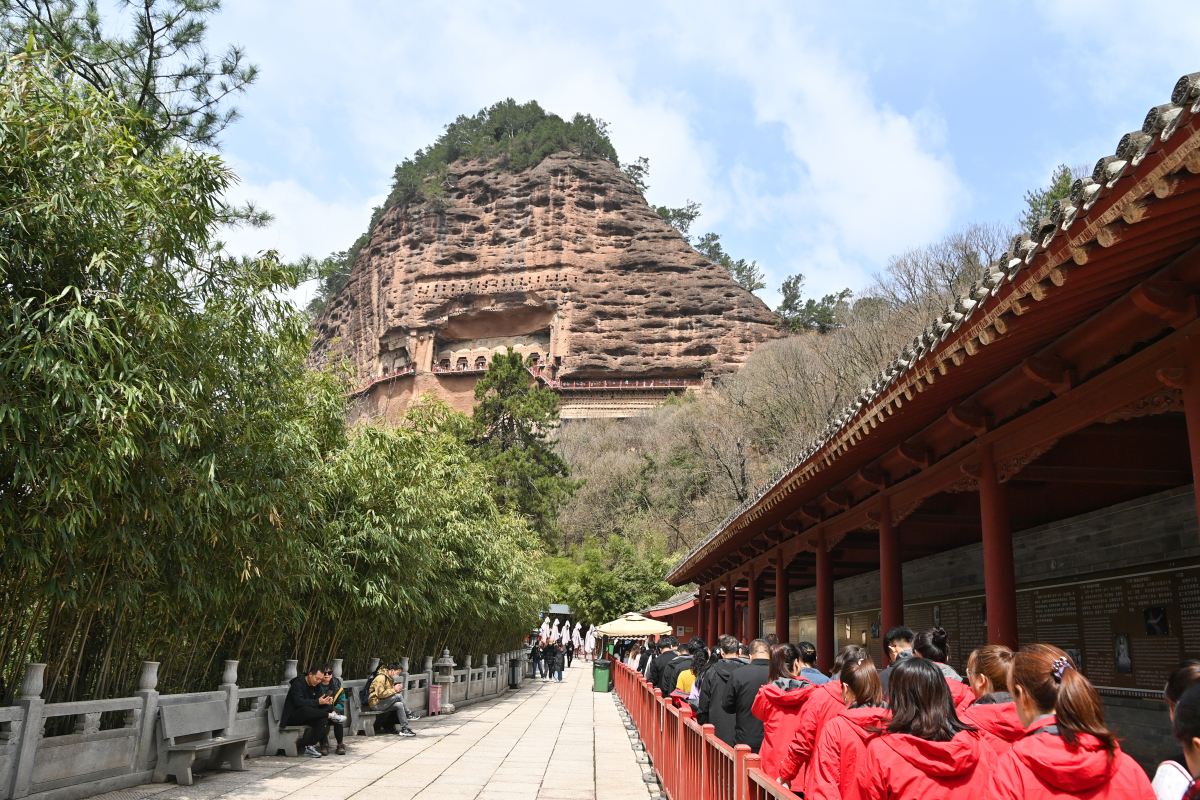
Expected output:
(1023, 471)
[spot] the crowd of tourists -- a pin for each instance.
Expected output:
(318, 701)
(1024, 724)
(551, 650)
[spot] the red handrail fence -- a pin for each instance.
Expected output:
(689, 759)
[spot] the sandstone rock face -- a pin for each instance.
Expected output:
(565, 260)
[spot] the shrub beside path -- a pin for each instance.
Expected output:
(547, 741)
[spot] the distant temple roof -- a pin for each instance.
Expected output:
(680, 601)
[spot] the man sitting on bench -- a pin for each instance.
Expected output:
(385, 700)
(307, 704)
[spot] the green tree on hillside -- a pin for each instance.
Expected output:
(681, 218)
(511, 424)
(601, 581)
(747, 274)
(798, 314)
(1040, 202)
(172, 87)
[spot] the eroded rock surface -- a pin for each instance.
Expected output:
(565, 260)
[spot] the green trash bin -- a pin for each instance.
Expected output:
(601, 675)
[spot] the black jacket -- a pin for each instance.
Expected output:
(670, 672)
(300, 695)
(714, 684)
(655, 675)
(743, 687)
(643, 659)
(535, 653)
(885, 675)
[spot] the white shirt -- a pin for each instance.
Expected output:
(1170, 781)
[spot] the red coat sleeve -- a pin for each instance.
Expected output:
(962, 694)
(800, 749)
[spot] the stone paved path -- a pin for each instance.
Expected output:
(548, 741)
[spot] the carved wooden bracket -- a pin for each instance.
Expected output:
(971, 418)
(812, 512)
(918, 453)
(839, 498)
(874, 476)
(1053, 373)
(1007, 467)
(1174, 377)
(1168, 300)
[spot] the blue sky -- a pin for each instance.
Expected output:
(819, 138)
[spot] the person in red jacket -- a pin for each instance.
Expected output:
(993, 711)
(825, 704)
(842, 747)
(778, 705)
(1067, 751)
(926, 751)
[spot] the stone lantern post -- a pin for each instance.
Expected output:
(444, 667)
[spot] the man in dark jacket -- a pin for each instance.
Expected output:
(550, 654)
(535, 658)
(666, 653)
(670, 672)
(743, 687)
(645, 660)
(307, 704)
(713, 687)
(898, 642)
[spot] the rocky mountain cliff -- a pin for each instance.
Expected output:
(564, 260)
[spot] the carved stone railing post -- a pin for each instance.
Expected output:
(289, 671)
(229, 686)
(427, 668)
(373, 667)
(404, 680)
(468, 668)
(147, 747)
(30, 701)
(337, 668)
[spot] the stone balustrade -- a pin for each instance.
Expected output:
(113, 744)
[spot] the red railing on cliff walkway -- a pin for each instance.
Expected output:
(689, 759)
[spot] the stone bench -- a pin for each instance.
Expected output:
(362, 720)
(186, 729)
(287, 738)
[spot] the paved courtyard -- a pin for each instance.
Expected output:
(548, 741)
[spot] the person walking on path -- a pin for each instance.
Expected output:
(570, 653)
(1067, 750)
(560, 660)
(536, 653)
(306, 704)
(383, 698)
(709, 705)
(743, 688)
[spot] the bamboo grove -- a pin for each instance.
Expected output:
(176, 484)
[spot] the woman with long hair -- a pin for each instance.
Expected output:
(778, 705)
(842, 746)
(1172, 778)
(1067, 750)
(926, 752)
(993, 711)
(934, 645)
(825, 704)
(700, 664)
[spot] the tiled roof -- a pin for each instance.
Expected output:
(677, 599)
(1068, 232)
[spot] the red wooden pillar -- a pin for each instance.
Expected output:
(891, 575)
(700, 618)
(825, 640)
(782, 608)
(730, 608)
(713, 628)
(723, 614)
(752, 615)
(1000, 584)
